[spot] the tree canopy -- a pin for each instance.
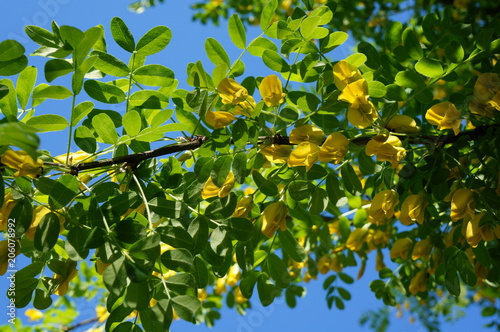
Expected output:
(247, 187)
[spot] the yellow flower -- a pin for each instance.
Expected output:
(219, 119)
(211, 190)
(336, 264)
(307, 133)
(63, 280)
(324, 264)
(75, 158)
(220, 286)
(445, 116)
(101, 313)
(274, 217)
(233, 275)
(356, 239)
(403, 124)
(8, 251)
(23, 163)
(33, 314)
(271, 91)
(362, 115)
(379, 263)
(231, 91)
(355, 93)
(238, 296)
(422, 249)
(377, 239)
(473, 233)
(305, 154)
(382, 207)
(245, 107)
(401, 248)
(419, 282)
(345, 73)
(333, 149)
(462, 204)
(243, 207)
(277, 154)
(413, 209)
(486, 95)
(387, 149)
(8, 205)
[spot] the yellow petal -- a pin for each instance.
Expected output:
(271, 91)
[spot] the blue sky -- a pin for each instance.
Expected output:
(187, 45)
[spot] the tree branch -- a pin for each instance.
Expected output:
(198, 141)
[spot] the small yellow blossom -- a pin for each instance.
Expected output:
(271, 91)
(401, 248)
(307, 133)
(335, 263)
(75, 158)
(231, 91)
(238, 296)
(361, 112)
(422, 249)
(243, 207)
(220, 286)
(101, 313)
(403, 124)
(8, 205)
(473, 233)
(277, 154)
(382, 208)
(219, 119)
(345, 73)
(324, 264)
(8, 251)
(413, 209)
(233, 275)
(274, 217)
(63, 280)
(245, 107)
(462, 204)
(387, 148)
(33, 314)
(356, 239)
(305, 154)
(23, 163)
(211, 190)
(419, 282)
(445, 116)
(333, 149)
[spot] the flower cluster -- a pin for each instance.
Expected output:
(309, 151)
(23, 163)
(212, 190)
(486, 95)
(361, 112)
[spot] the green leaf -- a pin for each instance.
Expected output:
(47, 232)
(186, 306)
(412, 45)
(198, 229)
(237, 31)
(259, 45)
(318, 201)
(41, 36)
(267, 187)
(351, 180)
(148, 99)
(55, 68)
(300, 189)
(454, 51)
(53, 92)
(429, 67)
(10, 49)
(154, 75)
(291, 247)
(274, 61)
(63, 191)
(393, 34)
(266, 290)
(267, 14)
(395, 92)
(71, 35)
(110, 65)
(146, 248)
(25, 84)
(14, 66)
(20, 135)
(240, 228)
(175, 236)
(278, 271)
(8, 104)
(104, 92)
(85, 140)
(23, 214)
(42, 300)
(221, 169)
(376, 89)
(122, 35)
(48, 122)
(115, 277)
(216, 52)
(333, 40)
(308, 26)
(132, 122)
(80, 111)
(91, 37)
(409, 79)
(373, 58)
(154, 41)
(356, 59)
(452, 282)
(181, 283)
(239, 167)
(178, 259)
(105, 128)
(137, 296)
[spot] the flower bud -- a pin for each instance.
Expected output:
(403, 124)
(271, 91)
(413, 209)
(462, 204)
(274, 217)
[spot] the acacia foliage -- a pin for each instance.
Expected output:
(244, 205)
